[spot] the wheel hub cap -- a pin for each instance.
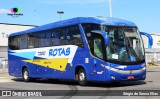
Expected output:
(82, 77)
(25, 75)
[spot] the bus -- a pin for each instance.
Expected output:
(83, 49)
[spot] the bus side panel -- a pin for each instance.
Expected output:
(78, 60)
(31, 68)
(45, 72)
(98, 72)
(82, 58)
(16, 64)
(66, 74)
(14, 68)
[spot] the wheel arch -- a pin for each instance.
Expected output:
(78, 67)
(23, 67)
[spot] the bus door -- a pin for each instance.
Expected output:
(97, 48)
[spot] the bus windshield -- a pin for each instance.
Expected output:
(125, 45)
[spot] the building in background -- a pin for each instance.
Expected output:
(5, 30)
(152, 54)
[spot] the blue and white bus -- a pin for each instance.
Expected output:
(83, 49)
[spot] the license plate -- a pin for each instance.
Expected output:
(130, 77)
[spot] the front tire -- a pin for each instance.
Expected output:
(82, 77)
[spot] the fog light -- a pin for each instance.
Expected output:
(113, 77)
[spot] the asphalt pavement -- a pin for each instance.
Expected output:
(71, 90)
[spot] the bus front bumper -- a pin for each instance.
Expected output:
(126, 75)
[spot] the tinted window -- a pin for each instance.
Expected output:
(73, 36)
(87, 29)
(57, 37)
(45, 39)
(33, 40)
(48, 39)
(61, 36)
(98, 46)
(23, 40)
(42, 39)
(14, 43)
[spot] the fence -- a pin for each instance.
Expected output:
(3, 65)
(152, 56)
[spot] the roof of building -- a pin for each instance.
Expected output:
(96, 20)
(157, 34)
(18, 24)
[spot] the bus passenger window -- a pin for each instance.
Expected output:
(14, 43)
(74, 36)
(31, 45)
(42, 39)
(62, 39)
(48, 39)
(23, 40)
(56, 38)
(33, 41)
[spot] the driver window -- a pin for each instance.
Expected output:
(98, 46)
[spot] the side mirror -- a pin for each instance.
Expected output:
(150, 39)
(104, 34)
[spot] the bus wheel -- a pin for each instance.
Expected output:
(26, 75)
(82, 77)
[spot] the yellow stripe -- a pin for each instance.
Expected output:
(56, 63)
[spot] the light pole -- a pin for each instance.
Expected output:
(60, 12)
(110, 8)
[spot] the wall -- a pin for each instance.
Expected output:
(156, 41)
(152, 54)
(5, 30)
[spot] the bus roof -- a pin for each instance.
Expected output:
(97, 20)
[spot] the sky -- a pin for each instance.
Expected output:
(144, 13)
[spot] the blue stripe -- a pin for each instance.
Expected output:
(28, 55)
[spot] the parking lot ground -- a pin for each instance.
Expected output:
(153, 68)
